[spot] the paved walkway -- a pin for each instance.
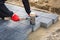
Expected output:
(10, 30)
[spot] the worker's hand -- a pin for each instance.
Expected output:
(32, 14)
(6, 18)
(15, 17)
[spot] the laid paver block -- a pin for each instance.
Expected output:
(42, 22)
(9, 28)
(45, 22)
(52, 16)
(16, 36)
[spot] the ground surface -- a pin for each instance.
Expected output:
(52, 33)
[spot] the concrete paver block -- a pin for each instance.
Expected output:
(52, 16)
(45, 22)
(14, 30)
(42, 22)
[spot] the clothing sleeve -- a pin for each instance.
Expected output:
(5, 10)
(26, 6)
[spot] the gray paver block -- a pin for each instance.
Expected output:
(52, 16)
(16, 36)
(9, 28)
(45, 22)
(42, 22)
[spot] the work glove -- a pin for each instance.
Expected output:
(15, 17)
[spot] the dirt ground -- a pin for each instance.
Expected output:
(52, 33)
